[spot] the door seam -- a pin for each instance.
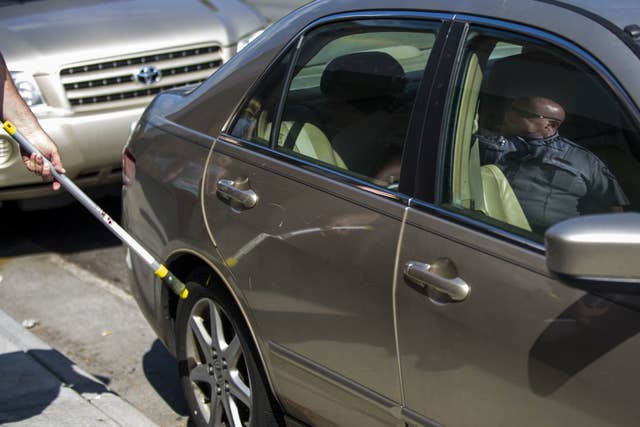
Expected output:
(394, 288)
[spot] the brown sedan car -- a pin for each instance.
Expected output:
(402, 213)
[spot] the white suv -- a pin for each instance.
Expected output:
(88, 68)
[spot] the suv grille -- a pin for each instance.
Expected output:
(115, 83)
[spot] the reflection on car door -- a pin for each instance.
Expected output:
(520, 349)
(315, 256)
(487, 335)
(314, 260)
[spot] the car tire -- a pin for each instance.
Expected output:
(220, 378)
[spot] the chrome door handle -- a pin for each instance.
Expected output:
(237, 191)
(421, 274)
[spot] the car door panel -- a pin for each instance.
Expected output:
(544, 348)
(314, 260)
(523, 347)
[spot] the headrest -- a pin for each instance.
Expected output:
(542, 73)
(535, 73)
(362, 75)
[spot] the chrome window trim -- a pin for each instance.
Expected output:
(312, 167)
(477, 225)
(372, 14)
(380, 14)
(506, 26)
(554, 40)
(270, 149)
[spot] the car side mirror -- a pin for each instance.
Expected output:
(596, 249)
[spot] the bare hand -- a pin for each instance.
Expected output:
(35, 163)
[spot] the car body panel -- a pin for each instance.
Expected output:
(317, 265)
(166, 214)
(522, 345)
(313, 231)
(621, 13)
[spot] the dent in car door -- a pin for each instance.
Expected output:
(314, 260)
(315, 255)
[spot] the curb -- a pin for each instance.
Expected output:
(91, 389)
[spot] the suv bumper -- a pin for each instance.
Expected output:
(90, 146)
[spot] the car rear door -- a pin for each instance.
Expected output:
(487, 335)
(304, 199)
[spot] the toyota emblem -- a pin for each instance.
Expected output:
(149, 75)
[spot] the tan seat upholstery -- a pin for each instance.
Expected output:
(466, 191)
(500, 202)
(477, 188)
(312, 142)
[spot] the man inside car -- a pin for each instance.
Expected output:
(552, 177)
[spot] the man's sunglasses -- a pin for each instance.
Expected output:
(530, 115)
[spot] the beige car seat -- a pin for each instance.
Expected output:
(311, 142)
(485, 188)
(500, 202)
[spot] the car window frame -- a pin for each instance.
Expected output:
(427, 194)
(415, 126)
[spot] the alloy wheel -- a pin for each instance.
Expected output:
(218, 374)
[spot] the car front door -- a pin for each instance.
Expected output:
(487, 335)
(304, 201)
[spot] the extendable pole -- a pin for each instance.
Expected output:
(160, 270)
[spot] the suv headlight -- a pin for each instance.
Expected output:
(28, 88)
(243, 42)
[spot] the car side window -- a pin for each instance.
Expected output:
(534, 137)
(254, 121)
(351, 95)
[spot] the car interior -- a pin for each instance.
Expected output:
(361, 99)
(475, 187)
(349, 103)
(594, 119)
(497, 73)
(351, 96)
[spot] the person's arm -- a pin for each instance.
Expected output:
(14, 109)
(605, 189)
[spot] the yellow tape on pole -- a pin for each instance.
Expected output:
(162, 271)
(9, 127)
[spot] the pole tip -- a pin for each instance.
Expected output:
(9, 127)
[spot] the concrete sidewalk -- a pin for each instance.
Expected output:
(39, 386)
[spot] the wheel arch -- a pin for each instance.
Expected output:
(184, 263)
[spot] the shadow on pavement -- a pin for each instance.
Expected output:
(161, 371)
(64, 230)
(32, 380)
(22, 392)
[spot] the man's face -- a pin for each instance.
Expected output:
(533, 120)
